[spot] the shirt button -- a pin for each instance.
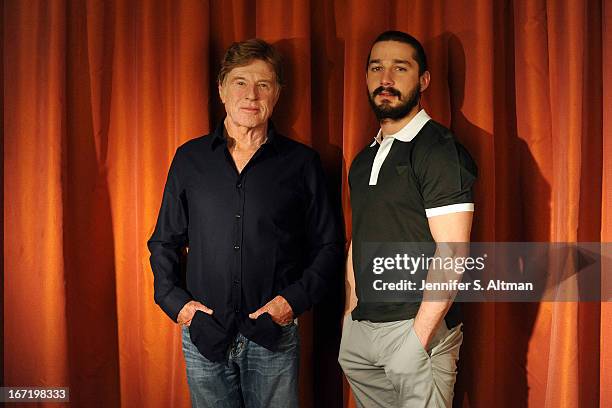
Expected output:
(239, 185)
(237, 310)
(238, 216)
(236, 282)
(236, 247)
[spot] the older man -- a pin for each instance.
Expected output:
(412, 184)
(264, 243)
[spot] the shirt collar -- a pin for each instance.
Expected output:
(408, 132)
(219, 136)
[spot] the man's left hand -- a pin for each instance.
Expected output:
(278, 308)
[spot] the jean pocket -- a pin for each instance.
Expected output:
(289, 337)
(285, 330)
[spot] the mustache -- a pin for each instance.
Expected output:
(388, 89)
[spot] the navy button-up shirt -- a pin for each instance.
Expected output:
(269, 230)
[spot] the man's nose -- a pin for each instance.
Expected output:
(386, 78)
(252, 92)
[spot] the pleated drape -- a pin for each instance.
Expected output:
(98, 95)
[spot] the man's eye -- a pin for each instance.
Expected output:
(240, 83)
(375, 69)
(263, 86)
(401, 69)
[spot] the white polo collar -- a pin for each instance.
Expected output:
(408, 132)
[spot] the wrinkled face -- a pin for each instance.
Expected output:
(249, 94)
(394, 83)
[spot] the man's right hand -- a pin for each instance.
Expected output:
(187, 312)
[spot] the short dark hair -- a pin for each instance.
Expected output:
(400, 36)
(243, 53)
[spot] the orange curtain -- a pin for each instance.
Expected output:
(98, 95)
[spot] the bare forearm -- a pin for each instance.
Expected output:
(452, 235)
(349, 283)
(436, 303)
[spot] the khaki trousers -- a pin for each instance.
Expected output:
(387, 366)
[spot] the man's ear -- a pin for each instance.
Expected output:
(221, 92)
(424, 80)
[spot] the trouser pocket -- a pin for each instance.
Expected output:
(425, 377)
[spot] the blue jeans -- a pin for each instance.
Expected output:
(253, 377)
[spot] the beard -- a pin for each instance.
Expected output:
(386, 111)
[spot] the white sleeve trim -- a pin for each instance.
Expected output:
(448, 209)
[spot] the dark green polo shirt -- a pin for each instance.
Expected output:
(395, 184)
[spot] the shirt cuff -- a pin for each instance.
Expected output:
(297, 298)
(174, 302)
(448, 209)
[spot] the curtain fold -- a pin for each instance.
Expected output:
(34, 265)
(605, 368)
(99, 94)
